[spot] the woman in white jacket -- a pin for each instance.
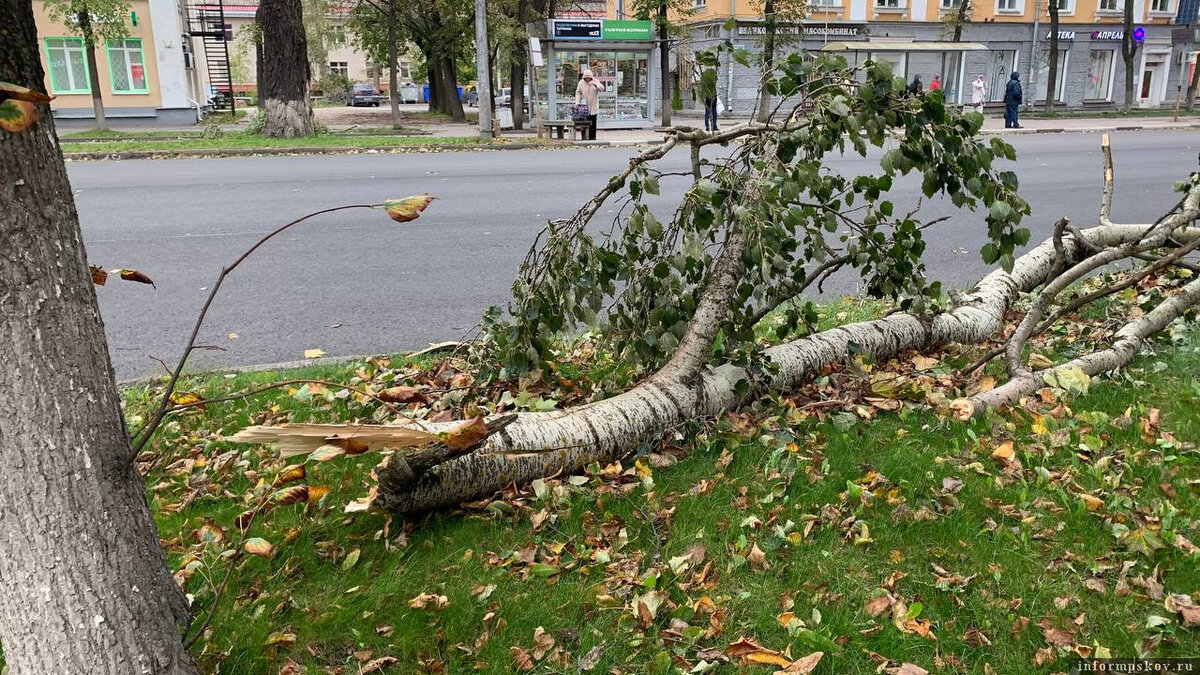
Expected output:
(979, 93)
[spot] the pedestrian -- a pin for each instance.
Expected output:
(915, 88)
(587, 92)
(1012, 99)
(936, 84)
(979, 93)
(708, 93)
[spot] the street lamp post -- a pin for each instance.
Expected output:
(484, 86)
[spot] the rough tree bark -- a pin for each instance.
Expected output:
(1128, 51)
(284, 98)
(520, 63)
(84, 584)
(89, 40)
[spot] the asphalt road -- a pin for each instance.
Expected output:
(353, 282)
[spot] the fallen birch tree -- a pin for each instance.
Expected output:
(751, 234)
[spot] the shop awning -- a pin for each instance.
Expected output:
(896, 46)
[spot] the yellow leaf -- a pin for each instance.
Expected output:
(290, 475)
(409, 208)
(773, 658)
(1039, 361)
(1091, 502)
(1004, 451)
(466, 435)
(313, 353)
(285, 640)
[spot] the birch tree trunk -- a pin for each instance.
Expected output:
(284, 97)
(543, 444)
(84, 584)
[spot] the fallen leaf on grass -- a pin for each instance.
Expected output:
(757, 558)
(259, 547)
(543, 642)
(522, 660)
(429, 600)
(378, 665)
(1004, 452)
(1056, 637)
(403, 395)
(281, 639)
(802, 666)
(751, 651)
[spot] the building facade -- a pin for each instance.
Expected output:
(999, 37)
(142, 75)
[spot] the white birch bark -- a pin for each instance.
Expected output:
(544, 444)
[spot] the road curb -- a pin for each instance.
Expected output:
(280, 152)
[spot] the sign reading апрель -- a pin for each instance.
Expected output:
(601, 29)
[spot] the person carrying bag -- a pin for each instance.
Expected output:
(587, 92)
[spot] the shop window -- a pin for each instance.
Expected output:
(1001, 64)
(68, 66)
(339, 68)
(1044, 74)
(1009, 6)
(1099, 77)
(127, 66)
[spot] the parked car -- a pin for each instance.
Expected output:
(503, 97)
(362, 94)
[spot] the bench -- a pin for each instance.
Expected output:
(558, 128)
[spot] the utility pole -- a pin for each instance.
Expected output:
(481, 68)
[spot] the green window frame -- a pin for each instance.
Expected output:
(66, 61)
(125, 57)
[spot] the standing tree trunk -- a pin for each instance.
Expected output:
(1052, 76)
(1128, 51)
(285, 67)
(85, 29)
(770, 26)
(960, 20)
(84, 584)
(393, 57)
(664, 58)
(520, 63)
(448, 100)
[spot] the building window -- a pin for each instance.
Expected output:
(404, 71)
(339, 68)
(1066, 6)
(1044, 74)
(1163, 6)
(1111, 5)
(889, 4)
(68, 66)
(1099, 77)
(337, 35)
(699, 4)
(951, 4)
(1009, 6)
(127, 67)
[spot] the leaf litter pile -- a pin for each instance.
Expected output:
(862, 524)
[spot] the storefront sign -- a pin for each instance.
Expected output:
(1064, 35)
(617, 30)
(601, 29)
(1139, 34)
(814, 31)
(577, 29)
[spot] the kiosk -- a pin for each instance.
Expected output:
(619, 53)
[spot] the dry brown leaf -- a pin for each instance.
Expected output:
(1056, 637)
(543, 642)
(403, 395)
(879, 605)
(466, 435)
(1004, 452)
(757, 558)
(802, 666)
(99, 274)
(429, 600)
(378, 665)
(522, 660)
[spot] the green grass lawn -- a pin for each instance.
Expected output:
(882, 530)
(246, 140)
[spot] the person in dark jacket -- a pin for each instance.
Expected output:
(708, 92)
(915, 88)
(1012, 99)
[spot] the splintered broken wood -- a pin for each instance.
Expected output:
(302, 439)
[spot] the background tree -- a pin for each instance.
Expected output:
(376, 30)
(1129, 50)
(1052, 74)
(92, 20)
(284, 94)
(955, 21)
(84, 583)
(776, 13)
(664, 13)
